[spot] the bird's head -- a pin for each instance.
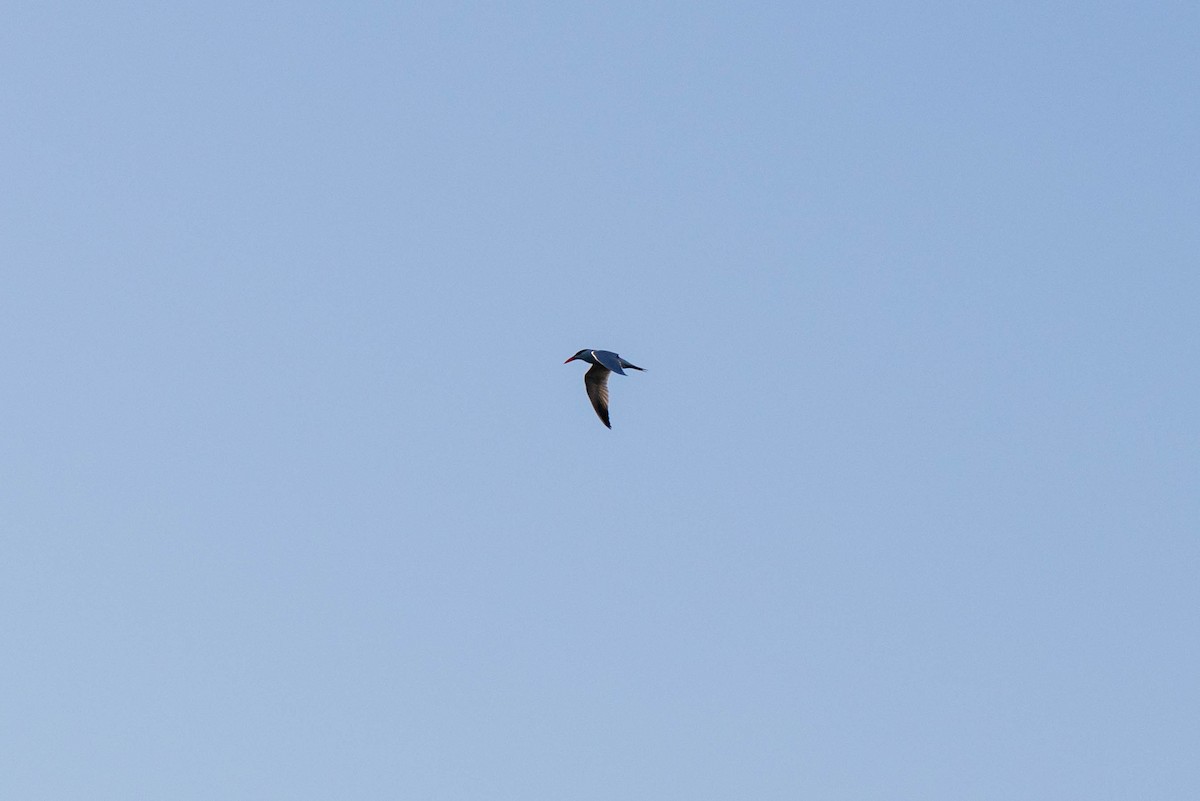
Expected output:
(583, 355)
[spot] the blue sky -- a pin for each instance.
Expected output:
(298, 500)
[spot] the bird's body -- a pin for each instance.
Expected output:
(595, 380)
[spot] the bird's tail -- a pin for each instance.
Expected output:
(632, 366)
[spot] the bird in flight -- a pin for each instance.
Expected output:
(595, 380)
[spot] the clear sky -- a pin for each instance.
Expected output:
(298, 501)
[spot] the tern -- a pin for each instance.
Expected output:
(595, 380)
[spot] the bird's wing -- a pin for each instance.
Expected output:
(609, 359)
(595, 381)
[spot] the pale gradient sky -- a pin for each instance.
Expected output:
(298, 501)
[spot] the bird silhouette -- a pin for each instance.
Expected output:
(595, 380)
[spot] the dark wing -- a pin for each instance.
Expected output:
(609, 359)
(595, 381)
